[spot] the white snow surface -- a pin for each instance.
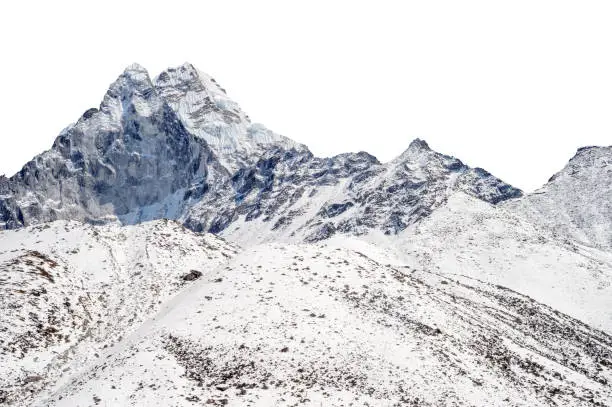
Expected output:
(100, 315)
(470, 238)
(69, 290)
(329, 325)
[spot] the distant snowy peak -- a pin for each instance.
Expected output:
(416, 146)
(208, 113)
(576, 200)
(131, 92)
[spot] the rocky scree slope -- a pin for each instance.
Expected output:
(177, 147)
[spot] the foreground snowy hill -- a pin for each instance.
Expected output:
(68, 291)
(90, 316)
(284, 325)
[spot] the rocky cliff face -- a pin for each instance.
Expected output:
(177, 147)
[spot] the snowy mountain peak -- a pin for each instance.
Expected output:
(585, 158)
(187, 75)
(585, 148)
(135, 68)
(592, 155)
(188, 78)
(135, 75)
(131, 91)
(418, 149)
(418, 144)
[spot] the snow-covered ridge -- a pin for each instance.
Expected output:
(294, 196)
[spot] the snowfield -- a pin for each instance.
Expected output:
(468, 237)
(112, 315)
(321, 325)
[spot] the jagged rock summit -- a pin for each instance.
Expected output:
(178, 147)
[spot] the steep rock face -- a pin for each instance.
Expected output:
(284, 188)
(576, 201)
(130, 153)
(179, 148)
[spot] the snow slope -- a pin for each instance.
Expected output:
(284, 325)
(468, 237)
(69, 290)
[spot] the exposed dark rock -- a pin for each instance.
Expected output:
(192, 275)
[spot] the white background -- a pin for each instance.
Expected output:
(511, 86)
